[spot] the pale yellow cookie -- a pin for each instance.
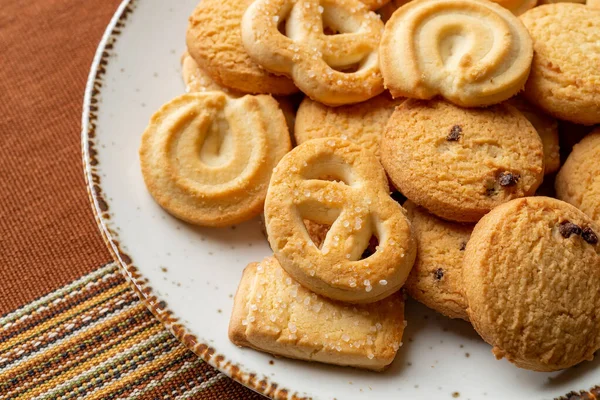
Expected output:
(361, 123)
(335, 182)
(471, 52)
(565, 73)
(436, 277)
(546, 127)
(332, 69)
(578, 181)
(207, 158)
(459, 163)
(214, 41)
(275, 314)
(196, 80)
(531, 274)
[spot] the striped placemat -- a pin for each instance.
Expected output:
(94, 339)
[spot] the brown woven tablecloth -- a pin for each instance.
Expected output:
(86, 334)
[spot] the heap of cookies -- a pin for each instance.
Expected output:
(455, 104)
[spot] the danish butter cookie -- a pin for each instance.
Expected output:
(542, 2)
(207, 158)
(517, 7)
(546, 127)
(197, 80)
(361, 123)
(214, 41)
(274, 314)
(338, 183)
(436, 278)
(565, 73)
(471, 52)
(460, 163)
(578, 181)
(332, 69)
(531, 275)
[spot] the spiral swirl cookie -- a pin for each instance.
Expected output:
(361, 123)
(335, 182)
(459, 163)
(578, 181)
(471, 52)
(531, 275)
(214, 41)
(207, 158)
(332, 69)
(436, 278)
(546, 127)
(565, 73)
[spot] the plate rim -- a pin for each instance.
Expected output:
(100, 207)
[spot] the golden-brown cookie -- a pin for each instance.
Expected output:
(274, 314)
(436, 278)
(460, 163)
(332, 69)
(546, 127)
(578, 181)
(565, 73)
(335, 182)
(531, 275)
(471, 52)
(215, 43)
(207, 158)
(361, 123)
(517, 7)
(197, 80)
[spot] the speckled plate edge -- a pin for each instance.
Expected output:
(100, 208)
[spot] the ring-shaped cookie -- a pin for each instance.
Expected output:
(207, 158)
(333, 181)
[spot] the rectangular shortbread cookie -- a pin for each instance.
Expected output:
(274, 314)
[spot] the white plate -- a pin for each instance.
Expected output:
(188, 275)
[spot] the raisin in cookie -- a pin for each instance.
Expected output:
(214, 41)
(436, 277)
(460, 163)
(531, 274)
(565, 73)
(578, 181)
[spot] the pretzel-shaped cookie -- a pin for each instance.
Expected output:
(472, 52)
(207, 158)
(332, 69)
(357, 205)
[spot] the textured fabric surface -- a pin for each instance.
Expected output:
(93, 338)
(97, 340)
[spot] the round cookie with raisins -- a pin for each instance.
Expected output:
(436, 277)
(459, 163)
(531, 274)
(578, 181)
